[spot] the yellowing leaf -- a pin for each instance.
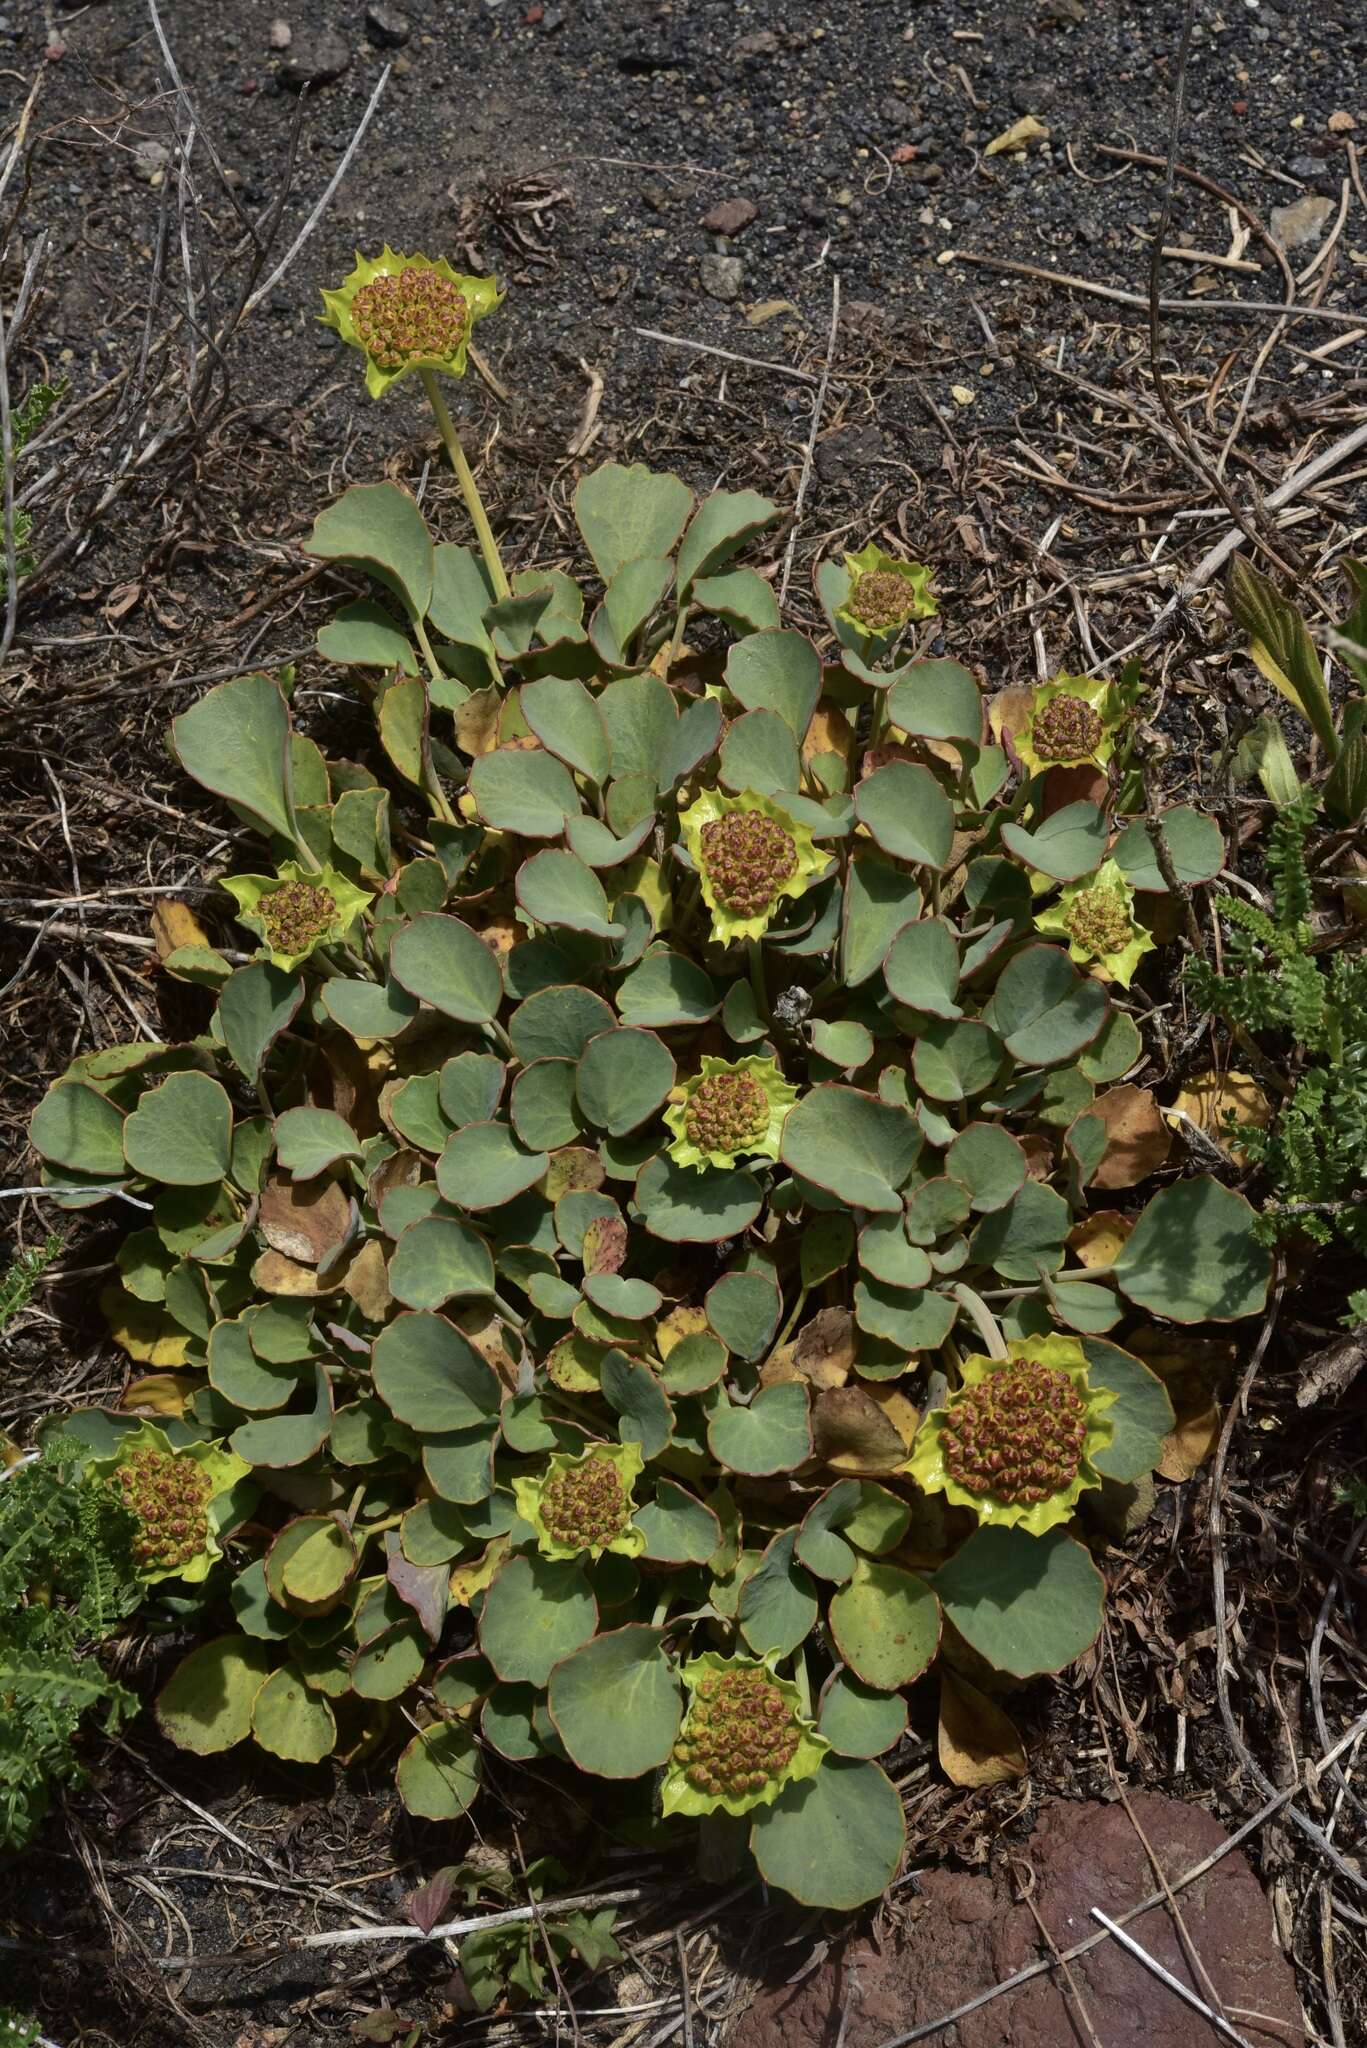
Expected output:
(1018, 136)
(366, 1280)
(175, 924)
(1212, 1099)
(1098, 1238)
(1186, 1448)
(681, 1322)
(159, 1393)
(472, 1578)
(978, 1743)
(142, 1330)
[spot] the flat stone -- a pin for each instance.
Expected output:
(386, 28)
(281, 35)
(315, 58)
(730, 216)
(149, 161)
(964, 1933)
(1302, 222)
(720, 276)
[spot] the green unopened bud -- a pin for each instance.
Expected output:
(410, 318)
(881, 600)
(727, 1111)
(743, 1740)
(746, 858)
(1098, 920)
(1067, 729)
(1018, 1435)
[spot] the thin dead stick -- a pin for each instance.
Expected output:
(1253, 309)
(1182, 1990)
(263, 291)
(1179, 255)
(818, 408)
(727, 355)
(21, 128)
(929, 2028)
(11, 546)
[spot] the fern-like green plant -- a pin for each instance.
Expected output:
(18, 1281)
(66, 1582)
(1276, 992)
(24, 424)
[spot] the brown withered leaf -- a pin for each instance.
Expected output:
(1211, 1099)
(306, 1220)
(857, 1432)
(1186, 1448)
(477, 721)
(1041, 1154)
(274, 1273)
(605, 1245)
(829, 732)
(468, 1579)
(143, 1329)
(491, 1338)
(681, 1322)
(824, 1352)
(1137, 1139)
(574, 1169)
(423, 1587)
(979, 1743)
(175, 924)
(402, 1169)
(366, 1280)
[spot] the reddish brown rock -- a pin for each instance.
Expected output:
(729, 216)
(962, 1934)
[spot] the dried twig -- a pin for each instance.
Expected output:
(728, 355)
(818, 407)
(1252, 309)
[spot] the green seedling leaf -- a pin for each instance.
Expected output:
(461, 598)
(1025, 1239)
(308, 1141)
(922, 968)
(402, 712)
(774, 1434)
(444, 964)
(1194, 1256)
(616, 1703)
(557, 890)
(642, 725)
(633, 594)
(1028, 1604)
(854, 1146)
(236, 742)
(907, 813)
(778, 672)
(389, 1663)
(181, 1132)
(536, 1612)
(834, 1840)
(937, 700)
(1044, 1011)
(429, 1375)
(721, 525)
(439, 1259)
(255, 1385)
(568, 724)
(1281, 648)
(685, 1206)
(77, 1127)
(739, 596)
(379, 527)
(529, 793)
(1069, 843)
(206, 1704)
(778, 1605)
(913, 1321)
(857, 1721)
(364, 635)
(1194, 846)
(626, 513)
(438, 1773)
(743, 1309)
(694, 1364)
(484, 1166)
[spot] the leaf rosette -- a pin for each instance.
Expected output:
(729, 1110)
(1072, 723)
(744, 1737)
(408, 313)
(296, 910)
(180, 1498)
(583, 1505)
(1016, 1440)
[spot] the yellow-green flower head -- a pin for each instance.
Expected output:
(178, 1497)
(743, 1738)
(731, 1110)
(1072, 723)
(584, 1503)
(293, 912)
(886, 593)
(749, 854)
(1096, 916)
(408, 313)
(1016, 1439)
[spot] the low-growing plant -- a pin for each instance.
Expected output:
(66, 1583)
(624, 1232)
(27, 418)
(517, 1962)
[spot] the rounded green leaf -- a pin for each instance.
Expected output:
(937, 700)
(922, 967)
(255, 1005)
(1025, 1238)
(741, 597)
(623, 1078)
(568, 724)
(557, 1023)
(440, 1259)
(526, 792)
(366, 1009)
(778, 1605)
(542, 1105)
(1114, 1052)
(557, 890)
(852, 1145)
(684, 1206)
(834, 1840)
(616, 1703)
(885, 1254)
(852, 1515)
(380, 527)
(1194, 845)
(1068, 843)
(484, 1166)
(1028, 1604)
(469, 1087)
(77, 1127)
(430, 1376)
(390, 1662)
(236, 742)
(907, 813)
(743, 1309)
(857, 1721)
(678, 1529)
(774, 1434)
(536, 1612)
(280, 1441)
(291, 1721)
(438, 1772)
(778, 672)
(181, 1132)
(644, 1415)
(364, 635)
(666, 989)
(695, 1363)
(206, 1704)
(308, 1141)
(886, 1624)
(723, 521)
(879, 900)
(1194, 1255)
(625, 513)
(1045, 1011)
(952, 1061)
(507, 1720)
(760, 753)
(1140, 1417)
(990, 1163)
(442, 962)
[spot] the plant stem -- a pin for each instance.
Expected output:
(761, 993)
(465, 476)
(436, 795)
(988, 1327)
